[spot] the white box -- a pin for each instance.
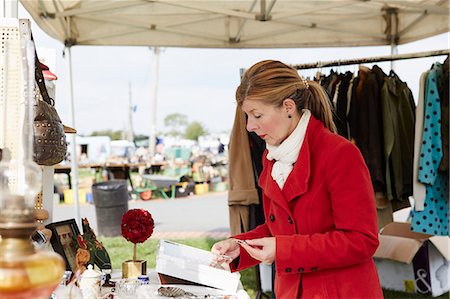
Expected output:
(413, 262)
(193, 265)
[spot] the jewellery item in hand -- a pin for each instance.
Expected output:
(243, 242)
(240, 242)
(224, 257)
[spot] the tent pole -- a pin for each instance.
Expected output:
(393, 14)
(394, 51)
(73, 145)
(155, 70)
(130, 134)
(10, 8)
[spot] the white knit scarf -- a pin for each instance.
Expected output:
(287, 152)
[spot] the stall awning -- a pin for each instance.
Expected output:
(240, 24)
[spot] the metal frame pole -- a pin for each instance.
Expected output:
(73, 145)
(152, 139)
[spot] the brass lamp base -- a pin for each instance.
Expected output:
(134, 268)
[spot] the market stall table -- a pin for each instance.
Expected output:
(118, 171)
(151, 290)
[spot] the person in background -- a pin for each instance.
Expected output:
(221, 147)
(321, 222)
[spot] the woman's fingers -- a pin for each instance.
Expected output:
(225, 251)
(261, 249)
(257, 242)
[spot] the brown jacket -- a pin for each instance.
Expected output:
(242, 191)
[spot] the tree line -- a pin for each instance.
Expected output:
(176, 125)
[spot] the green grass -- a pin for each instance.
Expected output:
(121, 250)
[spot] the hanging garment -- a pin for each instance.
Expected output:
(341, 105)
(365, 125)
(445, 118)
(419, 193)
(242, 192)
(398, 113)
(385, 214)
(257, 148)
(349, 103)
(329, 82)
(433, 219)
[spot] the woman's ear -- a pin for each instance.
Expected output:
(289, 105)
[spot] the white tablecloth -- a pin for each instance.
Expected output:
(151, 290)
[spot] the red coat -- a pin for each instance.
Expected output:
(324, 221)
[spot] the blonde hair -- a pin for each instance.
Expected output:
(272, 82)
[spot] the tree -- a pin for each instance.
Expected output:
(114, 135)
(194, 130)
(175, 121)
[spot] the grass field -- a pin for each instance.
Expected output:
(120, 250)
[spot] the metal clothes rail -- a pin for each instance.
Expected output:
(320, 64)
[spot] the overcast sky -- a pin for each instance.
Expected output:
(199, 83)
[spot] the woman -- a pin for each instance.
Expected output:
(321, 221)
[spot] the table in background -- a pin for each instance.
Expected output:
(118, 171)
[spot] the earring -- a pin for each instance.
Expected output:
(289, 116)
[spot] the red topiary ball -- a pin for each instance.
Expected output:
(137, 225)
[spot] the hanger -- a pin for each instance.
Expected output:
(319, 74)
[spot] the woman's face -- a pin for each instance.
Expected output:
(270, 123)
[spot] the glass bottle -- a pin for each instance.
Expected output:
(24, 272)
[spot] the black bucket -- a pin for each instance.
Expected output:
(111, 202)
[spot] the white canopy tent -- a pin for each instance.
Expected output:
(237, 24)
(240, 24)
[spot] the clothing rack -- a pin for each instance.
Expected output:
(320, 64)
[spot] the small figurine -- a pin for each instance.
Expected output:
(81, 259)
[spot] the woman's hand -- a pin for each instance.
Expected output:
(226, 250)
(261, 249)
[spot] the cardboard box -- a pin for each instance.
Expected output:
(413, 262)
(178, 263)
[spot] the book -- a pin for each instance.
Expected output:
(182, 264)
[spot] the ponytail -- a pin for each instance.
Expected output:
(319, 105)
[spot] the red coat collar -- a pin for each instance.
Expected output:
(298, 180)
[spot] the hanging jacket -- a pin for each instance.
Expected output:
(444, 95)
(398, 112)
(433, 219)
(366, 124)
(341, 106)
(242, 192)
(418, 196)
(324, 221)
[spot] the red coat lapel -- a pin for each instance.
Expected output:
(298, 180)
